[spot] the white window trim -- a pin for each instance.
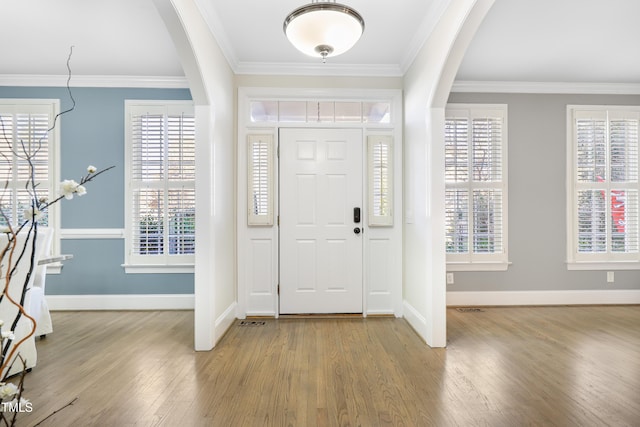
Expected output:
(54, 167)
(154, 263)
(574, 262)
(487, 262)
(158, 268)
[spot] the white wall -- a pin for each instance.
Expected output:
(426, 85)
(211, 81)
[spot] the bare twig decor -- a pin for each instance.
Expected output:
(20, 248)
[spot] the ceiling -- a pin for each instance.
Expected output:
(556, 41)
(520, 40)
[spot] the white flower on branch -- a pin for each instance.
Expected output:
(4, 229)
(33, 214)
(8, 390)
(91, 169)
(81, 191)
(69, 187)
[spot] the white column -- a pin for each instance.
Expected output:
(427, 85)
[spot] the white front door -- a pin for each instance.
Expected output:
(320, 240)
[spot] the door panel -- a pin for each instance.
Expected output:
(320, 255)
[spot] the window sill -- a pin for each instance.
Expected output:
(54, 263)
(605, 265)
(158, 269)
(478, 266)
(55, 268)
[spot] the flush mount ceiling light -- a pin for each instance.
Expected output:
(323, 29)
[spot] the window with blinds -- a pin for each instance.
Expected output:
(161, 183)
(476, 185)
(260, 180)
(380, 164)
(605, 185)
(25, 142)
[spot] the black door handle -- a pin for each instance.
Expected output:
(356, 230)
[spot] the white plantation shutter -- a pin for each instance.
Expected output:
(260, 180)
(457, 220)
(181, 149)
(148, 222)
(380, 155)
(486, 149)
(181, 207)
(487, 221)
(591, 148)
(161, 182)
(24, 132)
(592, 221)
(605, 214)
(475, 185)
(456, 149)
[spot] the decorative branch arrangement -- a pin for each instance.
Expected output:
(21, 248)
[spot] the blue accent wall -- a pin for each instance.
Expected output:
(93, 134)
(96, 269)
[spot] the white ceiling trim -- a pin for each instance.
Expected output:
(547, 87)
(158, 82)
(297, 69)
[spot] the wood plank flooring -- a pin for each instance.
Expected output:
(525, 366)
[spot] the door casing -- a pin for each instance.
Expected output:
(257, 246)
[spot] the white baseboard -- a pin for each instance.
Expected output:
(121, 302)
(614, 296)
(225, 320)
(416, 320)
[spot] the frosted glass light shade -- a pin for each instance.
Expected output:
(323, 29)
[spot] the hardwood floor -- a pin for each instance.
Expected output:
(539, 366)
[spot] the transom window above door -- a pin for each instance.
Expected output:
(315, 111)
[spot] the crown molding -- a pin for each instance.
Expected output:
(160, 82)
(300, 69)
(546, 87)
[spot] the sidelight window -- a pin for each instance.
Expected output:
(260, 179)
